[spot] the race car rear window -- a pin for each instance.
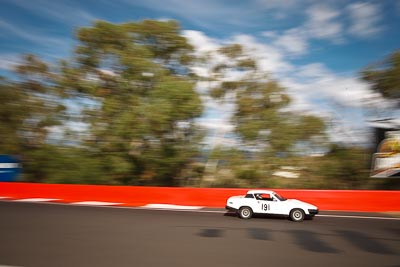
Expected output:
(249, 196)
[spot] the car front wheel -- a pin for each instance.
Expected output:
(245, 213)
(297, 215)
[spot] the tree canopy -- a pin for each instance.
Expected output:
(384, 76)
(136, 103)
(260, 117)
(123, 108)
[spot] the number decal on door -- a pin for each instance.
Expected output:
(265, 207)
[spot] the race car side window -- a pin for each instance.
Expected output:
(266, 197)
(249, 196)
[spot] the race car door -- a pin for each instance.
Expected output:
(265, 203)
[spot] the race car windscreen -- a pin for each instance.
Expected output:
(279, 197)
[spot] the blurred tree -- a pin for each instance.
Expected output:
(385, 76)
(129, 86)
(67, 165)
(29, 107)
(268, 135)
(259, 117)
(13, 113)
(344, 168)
(41, 96)
(138, 106)
(144, 128)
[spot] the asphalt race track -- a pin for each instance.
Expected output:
(57, 235)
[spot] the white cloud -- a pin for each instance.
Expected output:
(8, 61)
(318, 82)
(293, 41)
(325, 22)
(270, 34)
(313, 70)
(304, 82)
(269, 58)
(201, 71)
(216, 106)
(201, 42)
(202, 87)
(322, 23)
(365, 19)
(216, 124)
(314, 88)
(207, 48)
(217, 121)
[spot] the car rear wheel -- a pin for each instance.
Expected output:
(297, 215)
(245, 213)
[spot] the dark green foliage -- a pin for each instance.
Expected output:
(139, 125)
(130, 86)
(385, 76)
(345, 168)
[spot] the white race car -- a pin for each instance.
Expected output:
(269, 202)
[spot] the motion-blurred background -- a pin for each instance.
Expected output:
(275, 94)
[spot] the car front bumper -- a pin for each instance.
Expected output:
(313, 212)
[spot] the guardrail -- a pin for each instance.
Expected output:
(340, 200)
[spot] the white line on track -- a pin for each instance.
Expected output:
(358, 217)
(95, 203)
(183, 210)
(222, 212)
(36, 199)
(190, 210)
(171, 207)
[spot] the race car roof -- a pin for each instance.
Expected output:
(259, 192)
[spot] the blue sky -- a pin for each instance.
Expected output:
(315, 48)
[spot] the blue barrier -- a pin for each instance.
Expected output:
(10, 168)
